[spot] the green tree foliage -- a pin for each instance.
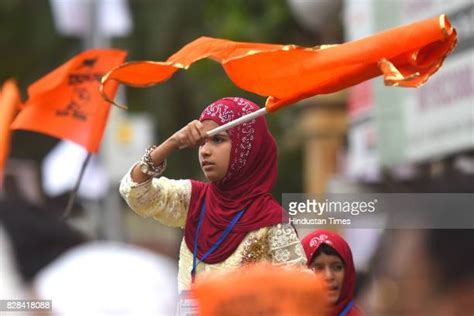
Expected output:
(30, 48)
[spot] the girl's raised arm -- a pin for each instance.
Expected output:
(166, 200)
(191, 135)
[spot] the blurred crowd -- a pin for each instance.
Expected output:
(416, 272)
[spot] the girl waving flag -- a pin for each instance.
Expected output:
(230, 220)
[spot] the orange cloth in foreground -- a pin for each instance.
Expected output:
(261, 289)
(406, 56)
(66, 103)
(10, 102)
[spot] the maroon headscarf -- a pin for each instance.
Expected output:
(247, 183)
(312, 242)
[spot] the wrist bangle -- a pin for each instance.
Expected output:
(148, 166)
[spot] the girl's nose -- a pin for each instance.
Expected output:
(205, 149)
(328, 274)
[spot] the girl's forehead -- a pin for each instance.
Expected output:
(210, 124)
(324, 258)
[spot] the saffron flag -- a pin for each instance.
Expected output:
(10, 102)
(66, 103)
(406, 56)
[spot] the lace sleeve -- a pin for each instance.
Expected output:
(164, 199)
(284, 245)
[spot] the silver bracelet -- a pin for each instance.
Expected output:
(148, 166)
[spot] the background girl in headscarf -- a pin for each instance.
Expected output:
(230, 220)
(329, 254)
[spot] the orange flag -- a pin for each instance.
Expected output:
(66, 102)
(406, 56)
(10, 101)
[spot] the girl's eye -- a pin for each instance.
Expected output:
(338, 267)
(217, 139)
(318, 267)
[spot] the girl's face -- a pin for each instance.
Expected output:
(331, 268)
(214, 155)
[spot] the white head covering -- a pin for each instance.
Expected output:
(108, 278)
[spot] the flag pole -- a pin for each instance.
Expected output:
(72, 197)
(240, 120)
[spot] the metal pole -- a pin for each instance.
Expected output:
(72, 197)
(109, 220)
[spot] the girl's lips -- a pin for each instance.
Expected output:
(208, 166)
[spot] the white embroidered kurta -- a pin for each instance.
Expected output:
(167, 201)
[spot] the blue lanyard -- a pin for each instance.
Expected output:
(347, 308)
(226, 232)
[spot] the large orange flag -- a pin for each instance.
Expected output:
(406, 56)
(66, 102)
(10, 101)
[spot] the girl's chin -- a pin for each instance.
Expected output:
(333, 298)
(211, 176)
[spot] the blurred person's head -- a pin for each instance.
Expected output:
(451, 254)
(261, 289)
(109, 278)
(423, 272)
(37, 237)
(330, 256)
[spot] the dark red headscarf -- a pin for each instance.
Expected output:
(247, 183)
(312, 242)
